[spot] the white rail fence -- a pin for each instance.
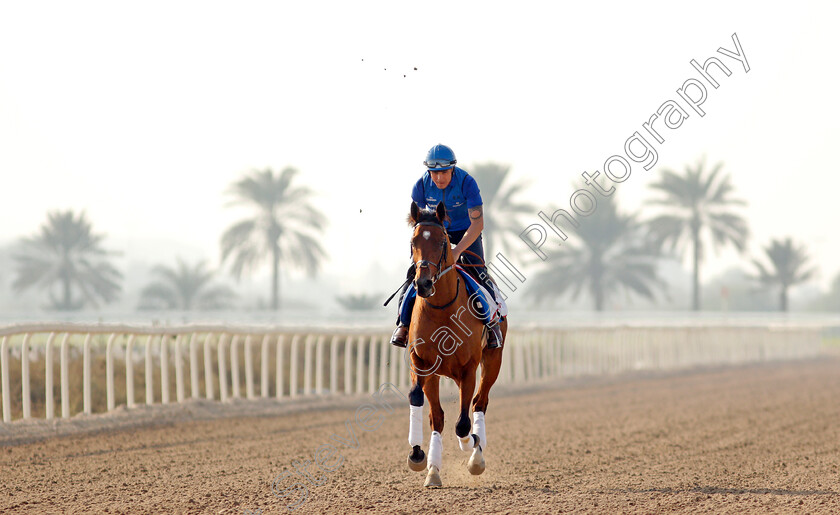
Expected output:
(310, 364)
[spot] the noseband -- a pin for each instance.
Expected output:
(423, 263)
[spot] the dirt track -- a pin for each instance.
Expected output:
(761, 439)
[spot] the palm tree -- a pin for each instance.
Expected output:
(501, 210)
(67, 253)
(283, 227)
(789, 267)
(184, 287)
(613, 255)
(699, 203)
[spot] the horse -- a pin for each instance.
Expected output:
(446, 338)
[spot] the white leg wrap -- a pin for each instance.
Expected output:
(415, 426)
(478, 428)
(466, 443)
(435, 450)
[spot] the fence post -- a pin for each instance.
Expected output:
(234, 367)
(86, 375)
(383, 362)
(372, 365)
(24, 377)
(348, 365)
(179, 369)
(307, 364)
(208, 366)
(319, 365)
(360, 359)
(281, 345)
(65, 378)
(194, 388)
(48, 378)
(334, 365)
(264, 367)
(150, 392)
(164, 369)
(129, 371)
(4, 365)
(249, 368)
(223, 392)
(293, 366)
(109, 372)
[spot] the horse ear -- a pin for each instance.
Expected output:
(414, 215)
(441, 212)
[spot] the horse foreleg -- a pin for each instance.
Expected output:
(417, 458)
(431, 387)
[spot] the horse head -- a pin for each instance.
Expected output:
(429, 247)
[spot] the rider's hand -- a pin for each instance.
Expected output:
(456, 255)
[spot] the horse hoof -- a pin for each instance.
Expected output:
(476, 463)
(433, 478)
(420, 464)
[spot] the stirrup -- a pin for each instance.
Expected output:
(494, 337)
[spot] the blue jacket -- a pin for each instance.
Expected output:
(459, 197)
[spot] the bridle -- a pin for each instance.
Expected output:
(424, 263)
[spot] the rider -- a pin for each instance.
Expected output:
(443, 181)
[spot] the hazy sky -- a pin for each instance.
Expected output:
(143, 114)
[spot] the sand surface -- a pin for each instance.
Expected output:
(757, 439)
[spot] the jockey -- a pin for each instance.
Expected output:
(443, 181)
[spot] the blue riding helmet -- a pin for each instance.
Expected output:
(440, 157)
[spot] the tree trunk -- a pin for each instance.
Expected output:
(596, 270)
(275, 278)
(783, 299)
(68, 298)
(695, 301)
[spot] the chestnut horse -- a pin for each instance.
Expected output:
(445, 338)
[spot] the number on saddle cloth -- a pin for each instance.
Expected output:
(485, 310)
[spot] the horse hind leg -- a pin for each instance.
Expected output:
(474, 442)
(469, 441)
(491, 364)
(435, 453)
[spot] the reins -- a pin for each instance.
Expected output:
(457, 291)
(473, 264)
(440, 273)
